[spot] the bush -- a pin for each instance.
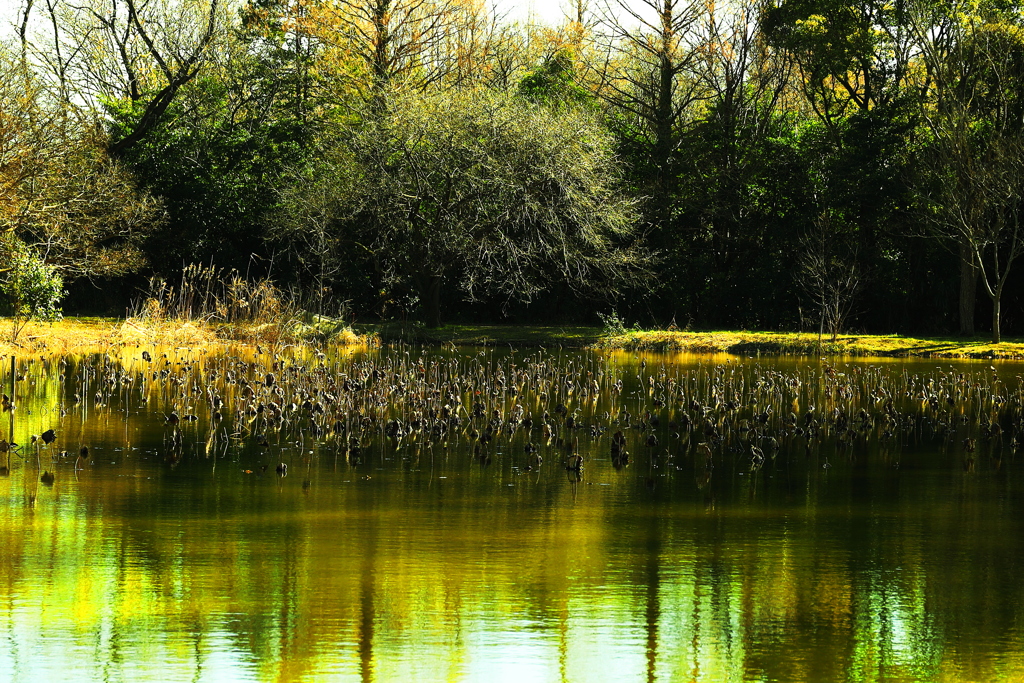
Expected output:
(31, 290)
(613, 325)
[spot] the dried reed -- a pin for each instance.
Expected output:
(213, 303)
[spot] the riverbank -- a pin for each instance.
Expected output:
(802, 344)
(547, 336)
(737, 343)
(74, 333)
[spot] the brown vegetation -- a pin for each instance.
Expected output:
(210, 306)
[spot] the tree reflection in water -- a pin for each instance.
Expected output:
(424, 561)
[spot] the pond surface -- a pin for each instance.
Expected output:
(756, 520)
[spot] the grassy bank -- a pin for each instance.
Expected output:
(738, 343)
(80, 333)
(793, 343)
(75, 334)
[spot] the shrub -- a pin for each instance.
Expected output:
(31, 290)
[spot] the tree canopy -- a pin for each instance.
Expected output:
(743, 164)
(483, 193)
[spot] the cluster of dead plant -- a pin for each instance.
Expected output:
(212, 304)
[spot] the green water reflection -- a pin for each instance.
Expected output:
(421, 564)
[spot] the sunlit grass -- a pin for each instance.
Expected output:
(75, 334)
(797, 343)
(210, 304)
(78, 333)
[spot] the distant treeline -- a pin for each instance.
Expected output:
(778, 164)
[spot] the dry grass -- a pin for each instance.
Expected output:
(73, 335)
(176, 332)
(212, 304)
(70, 334)
(218, 302)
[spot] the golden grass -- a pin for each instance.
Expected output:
(86, 334)
(211, 305)
(70, 334)
(795, 343)
(83, 334)
(179, 333)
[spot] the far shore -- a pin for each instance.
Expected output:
(88, 333)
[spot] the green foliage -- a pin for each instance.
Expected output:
(212, 163)
(553, 82)
(31, 289)
(611, 324)
(832, 35)
(478, 192)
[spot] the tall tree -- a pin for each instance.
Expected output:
(973, 185)
(743, 80)
(143, 51)
(853, 66)
(852, 54)
(654, 82)
(391, 40)
(477, 192)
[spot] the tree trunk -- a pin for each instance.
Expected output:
(968, 289)
(996, 332)
(430, 296)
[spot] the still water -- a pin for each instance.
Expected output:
(772, 521)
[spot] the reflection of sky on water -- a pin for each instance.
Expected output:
(137, 570)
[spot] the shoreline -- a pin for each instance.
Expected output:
(74, 333)
(807, 344)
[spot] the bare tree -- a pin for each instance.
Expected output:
(511, 55)
(62, 198)
(392, 40)
(829, 273)
(937, 34)
(972, 183)
(654, 77)
(743, 79)
(974, 200)
(143, 51)
(744, 76)
(581, 13)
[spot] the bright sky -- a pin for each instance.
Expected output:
(551, 12)
(548, 11)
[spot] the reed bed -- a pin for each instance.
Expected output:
(211, 303)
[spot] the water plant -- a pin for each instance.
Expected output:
(578, 411)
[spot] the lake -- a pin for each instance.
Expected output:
(489, 515)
